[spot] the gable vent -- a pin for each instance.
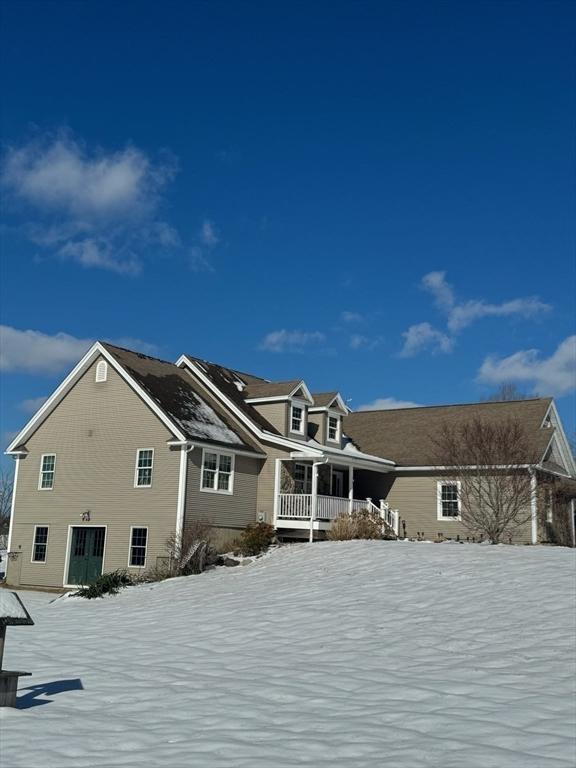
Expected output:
(101, 371)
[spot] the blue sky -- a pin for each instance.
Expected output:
(377, 197)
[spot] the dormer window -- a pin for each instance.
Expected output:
(297, 419)
(101, 371)
(334, 429)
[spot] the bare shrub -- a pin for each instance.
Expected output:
(364, 524)
(192, 551)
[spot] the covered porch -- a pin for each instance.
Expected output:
(311, 492)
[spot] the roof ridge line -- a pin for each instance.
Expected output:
(453, 405)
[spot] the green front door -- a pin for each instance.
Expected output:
(86, 555)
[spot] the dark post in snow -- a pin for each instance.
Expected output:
(12, 613)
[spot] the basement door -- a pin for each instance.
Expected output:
(86, 555)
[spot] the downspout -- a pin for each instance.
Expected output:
(533, 508)
(17, 459)
(185, 448)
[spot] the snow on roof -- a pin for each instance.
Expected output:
(174, 391)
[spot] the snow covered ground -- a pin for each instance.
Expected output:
(351, 654)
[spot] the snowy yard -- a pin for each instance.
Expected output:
(337, 654)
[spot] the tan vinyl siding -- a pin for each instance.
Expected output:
(276, 414)
(320, 420)
(95, 433)
(223, 510)
(265, 498)
(415, 498)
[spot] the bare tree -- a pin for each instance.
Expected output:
(489, 461)
(506, 392)
(6, 488)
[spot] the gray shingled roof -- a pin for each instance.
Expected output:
(270, 388)
(404, 435)
(225, 379)
(323, 399)
(173, 389)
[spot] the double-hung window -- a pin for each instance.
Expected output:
(144, 465)
(333, 429)
(40, 544)
(47, 472)
(217, 472)
(302, 478)
(448, 501)
(297, 419)
(138, 544)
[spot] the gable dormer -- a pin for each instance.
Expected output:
(326, 416)
(284, 404)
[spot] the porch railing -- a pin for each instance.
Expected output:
(298, 506)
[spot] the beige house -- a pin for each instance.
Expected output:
(130, 449)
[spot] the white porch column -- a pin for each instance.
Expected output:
(533, 508)
(350, 489)
(314, 500)
(277, 481)
(572, 514)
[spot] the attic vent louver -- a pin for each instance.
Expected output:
(101, 371)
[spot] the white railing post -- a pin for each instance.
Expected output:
(350, 489)
(313, 500)
(533, 508)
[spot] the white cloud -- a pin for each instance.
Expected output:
(32, 405)
(357, 341)
(36, 352)
(423, 336)
(388, 404)
(435, 283)
(199, 255)
(94, 207)
(291, 341)
(464, 314)
(208, 235)
(198, 260)
(91, 253)
(554, 375)
(460, 315)
(351, 317)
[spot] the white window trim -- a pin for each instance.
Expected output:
(136, 484)
(218, 453)
(338, 437)
(40, 562)
(101, 372)
(439, 515)
(302, 405)
(51, 488)
(132, 527)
